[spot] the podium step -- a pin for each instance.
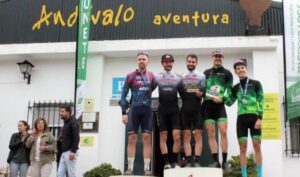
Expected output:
(194, 172)
(132, 176)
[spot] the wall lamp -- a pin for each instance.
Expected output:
(25, 68)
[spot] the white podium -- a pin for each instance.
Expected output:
(193, 172)
(132, 176)
(188, 172)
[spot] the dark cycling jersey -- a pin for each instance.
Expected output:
(141, 86)
(168, 110)
(168, 83)
(254, 98)
(218, 81)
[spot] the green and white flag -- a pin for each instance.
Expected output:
(292, 57)
(82, 53)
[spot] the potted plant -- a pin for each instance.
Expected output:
(104, 170)
(236, 167)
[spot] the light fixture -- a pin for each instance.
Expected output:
(25, 68)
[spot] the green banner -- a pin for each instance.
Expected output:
(293, 101)
(82, 52)
(292, 57)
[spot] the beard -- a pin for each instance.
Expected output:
(191, 68)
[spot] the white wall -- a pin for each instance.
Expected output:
(51, 80)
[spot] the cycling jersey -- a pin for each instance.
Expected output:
(218, 81)
(141, 86)
(250, 103)
(190, 82)
(168, 83)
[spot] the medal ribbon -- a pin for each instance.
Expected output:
(244, 92)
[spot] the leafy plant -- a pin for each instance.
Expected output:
(236, 167)
(104, 170)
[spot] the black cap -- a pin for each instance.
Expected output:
(167, 57)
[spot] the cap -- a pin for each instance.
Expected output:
(167, 57)
(241, 61)
(217, 52)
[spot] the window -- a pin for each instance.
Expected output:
(49, 111)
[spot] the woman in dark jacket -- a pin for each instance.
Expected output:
(19, 155)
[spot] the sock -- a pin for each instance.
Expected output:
(166, 158)
(259, 170)
(224, 155)
(130, 163)
(175, 157)
(215, 156)
(244, 171)
(188, 158)
(146, 164)
(197, 159)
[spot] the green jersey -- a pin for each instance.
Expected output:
(250, 96)
(218, 82)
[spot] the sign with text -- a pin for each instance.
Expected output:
(271, 117)
(30, 21)
(117, 87)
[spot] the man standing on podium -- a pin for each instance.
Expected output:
(218, 83)
(168, 110)
(141, 84)
(192, 89)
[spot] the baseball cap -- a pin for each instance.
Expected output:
(241, 61)
(167, 57)
(217, 52)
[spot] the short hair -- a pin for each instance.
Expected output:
(192, 56)
(25, 124)
(46, 127)
(67, 108)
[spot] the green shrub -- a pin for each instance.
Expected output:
(104, 170)
(236, 167)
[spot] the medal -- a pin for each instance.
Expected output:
(244, 100)
(244, 92)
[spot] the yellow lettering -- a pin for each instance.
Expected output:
(186, 19)
(166, 19)
(225, 19)
(176, 19)
(43, 19)
(126, 17)
(195, 17)
(108, 16)
(73, 18)
(205, 17)
(57, 17)
(117, 19)
(157, 20)
(215, 19)
(96, 19)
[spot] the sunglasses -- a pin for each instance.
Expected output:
(143, 53)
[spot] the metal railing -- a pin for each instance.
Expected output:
(292, 137)
(49, 110)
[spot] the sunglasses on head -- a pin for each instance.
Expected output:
(143, 53)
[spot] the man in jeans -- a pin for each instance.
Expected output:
(69, 143)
